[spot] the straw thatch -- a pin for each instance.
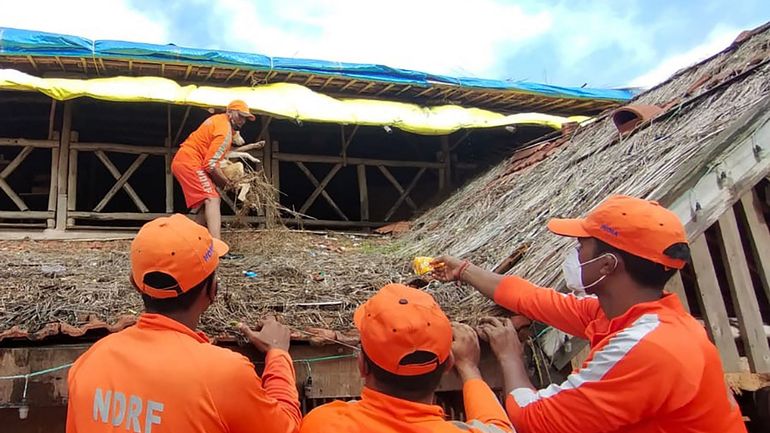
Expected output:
(502, 211)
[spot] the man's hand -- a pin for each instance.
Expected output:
(271, 335)
(445, 268)
(502, 338)
(466, 351)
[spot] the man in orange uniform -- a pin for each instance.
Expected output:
(196, 164)
(651, 367)
(407, 346)
(161, 375)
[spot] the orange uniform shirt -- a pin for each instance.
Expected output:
(159, 376)
(381, 413)
(653, 369)
(208, 144)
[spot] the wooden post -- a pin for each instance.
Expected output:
(743, 294)
(72, 187)
(169, 178)
(676, 285)
(51, 119)
(51, 222)
(447, 160)
(713, 305)
(274, 173)
(363, 192)
(63, 167)
(759, 237)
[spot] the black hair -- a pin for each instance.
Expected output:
(645, 272)
(408, 387)
(182, 302)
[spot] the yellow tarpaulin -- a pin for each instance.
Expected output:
(285, 100)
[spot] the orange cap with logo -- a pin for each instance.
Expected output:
(639, 227)
(176, 246)
(399, 321)
(240, 107)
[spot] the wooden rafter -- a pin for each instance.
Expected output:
(309, 79)
(211, 72)
(320, 188)
(117, 175)
(348, 84)
(232, 74)
(385, 89)
(326, 83)
(187, 72)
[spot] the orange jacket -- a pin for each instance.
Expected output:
(208, 144)
(381, 413)
(651, 369)
(160, 376)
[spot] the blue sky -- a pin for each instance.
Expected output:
(601, 43)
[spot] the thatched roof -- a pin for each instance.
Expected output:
(507, 208)
(500, 214)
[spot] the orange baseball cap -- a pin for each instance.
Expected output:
(640, 227)
(401, 320)
(176, 246)
(240, 107)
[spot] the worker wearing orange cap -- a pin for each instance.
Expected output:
(196, 165)
(160, 375)
(406, 343)
(651, 365)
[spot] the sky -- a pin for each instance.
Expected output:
(629, 43)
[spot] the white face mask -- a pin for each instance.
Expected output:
(573, 272)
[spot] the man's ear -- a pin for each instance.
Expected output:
(610, 264)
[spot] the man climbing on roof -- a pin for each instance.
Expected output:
(196, 165)
(407, 346)
(651, 365)
(161, 375)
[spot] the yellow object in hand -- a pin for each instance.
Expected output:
(421, 265)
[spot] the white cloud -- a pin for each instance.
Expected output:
(436, 36)
(719, 39)
(103, 19)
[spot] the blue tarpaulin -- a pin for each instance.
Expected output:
(33, 43)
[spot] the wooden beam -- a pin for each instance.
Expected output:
(328, 159)
(182, 125)
(348, 84)
(25, 151)
(72, 184)
(713, 305)
(63, 167)
(385, 89)
(120, 182)
(743, 294)
(126, 186)
(346, 142)
(28, 214)
(169, 178)
(446, 159)
(225, 198)
(405, 194)
(366, 87)
(13, 196)
(187, 72)
(424, 92)
(23, 142)
(759, 237)
(51, 119)
(264, 132)
(114, 216)
(211, 72)
(232, 74)
(320, 189)
(120, 148)
(51, 223)
(459, 141)
(274, 172)
(397, 185)
(404, 89)
(326, 83)
(676, 286)
(363, 192)
(309, 79)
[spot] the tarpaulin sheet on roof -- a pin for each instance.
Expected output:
(33, 43)
(279, 99)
